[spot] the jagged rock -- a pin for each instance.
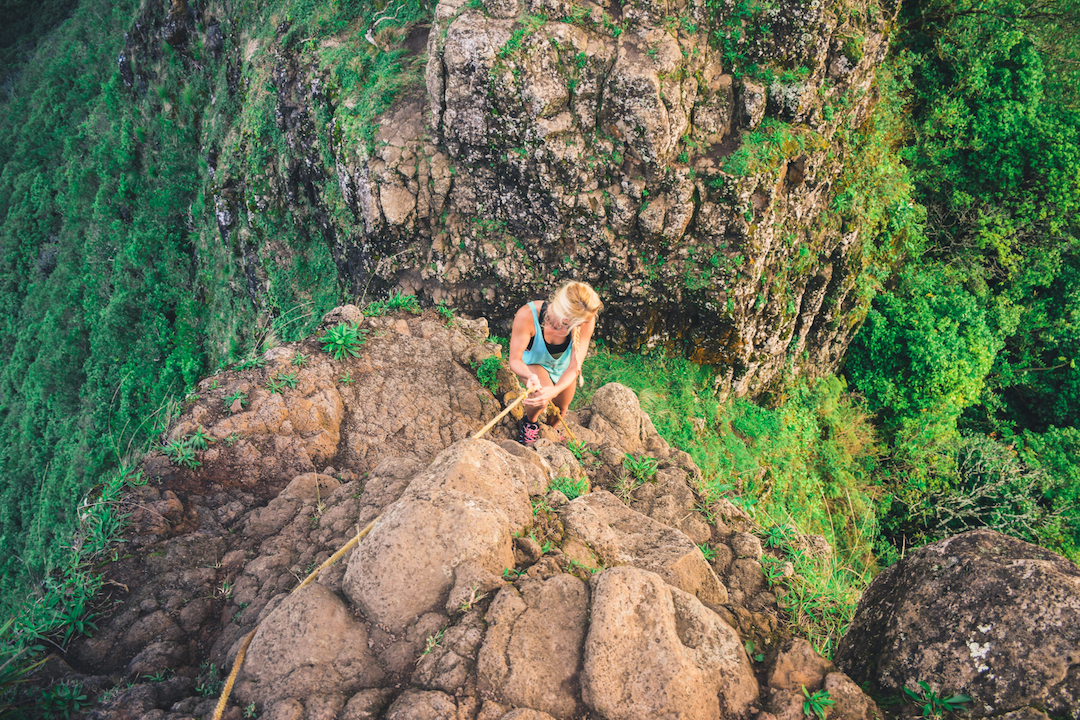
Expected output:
(310, 645)
(655, 651)
(617, 416)
(798, 666)
(422, 705)
(850, 702)
(140, 700)
(366, 704)
(979, 613)
(613, 534)
(531, 656)
(464, 508)
(451, 665)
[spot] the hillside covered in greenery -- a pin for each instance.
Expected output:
(957, 406)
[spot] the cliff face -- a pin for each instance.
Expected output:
(616, 144)
(686, 158)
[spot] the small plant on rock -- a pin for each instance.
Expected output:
(445, 311)
(432, 642)
(180, 453)
(570, 487)
(229, 400)
(815, 704)
(208, 684)
(200, 439)
(643, 468)
(779, 536)
(487, 372)
(933, 705)
(707, 551)
(62, 700)
(344, 340)
(300, 359)
(396, 301)
(251, 362)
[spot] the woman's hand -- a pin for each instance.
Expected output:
(538, 394)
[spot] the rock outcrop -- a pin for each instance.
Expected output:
(980, 614)
(480, 593)
(696, 161)
(616, 142)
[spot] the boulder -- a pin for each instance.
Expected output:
(981, 614)
(618, 417)
(654, 651)
(531, 655)
(600, 526)
(463, 508)
(311, 644)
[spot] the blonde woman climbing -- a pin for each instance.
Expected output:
(547, 347)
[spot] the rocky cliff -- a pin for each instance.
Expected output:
(699, 163)
(481, 591)
(504, 583)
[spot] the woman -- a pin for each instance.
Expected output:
(547, 346)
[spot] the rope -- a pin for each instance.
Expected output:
(566, 427)
(500, 416)
(227, 689)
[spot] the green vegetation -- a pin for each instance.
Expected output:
(343, 340)
(570, 487)
(118, 287)
(487, 372)
(969, 358)
(770, 143)
(396, 301)
(817, 703)
(806, 467)
(934, 705)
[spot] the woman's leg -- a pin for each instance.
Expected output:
(562, 400)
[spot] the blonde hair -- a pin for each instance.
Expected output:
(575, 302)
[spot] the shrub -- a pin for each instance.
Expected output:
(487, 372)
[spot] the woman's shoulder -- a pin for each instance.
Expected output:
(530, 307)
(524, 315)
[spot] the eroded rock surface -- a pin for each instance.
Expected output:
(981, 614)
(478, 594)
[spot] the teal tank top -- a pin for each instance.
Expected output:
(538, 354)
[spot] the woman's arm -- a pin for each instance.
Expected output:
(523, 331)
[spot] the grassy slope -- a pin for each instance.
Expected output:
(117, 290)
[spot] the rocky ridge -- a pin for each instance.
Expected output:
(481, 592)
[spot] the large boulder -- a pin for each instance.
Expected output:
(463, 509)
(531, 656)
(600, 530)
(310, 644)
(981, 614)
(654, 651)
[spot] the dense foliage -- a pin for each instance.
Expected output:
(979, 333)
(118, 289)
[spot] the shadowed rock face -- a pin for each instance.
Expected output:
(563, 139)
(981, 614)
